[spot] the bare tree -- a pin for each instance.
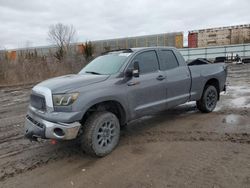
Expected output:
(61, 35)
(88, 50)
(3, 62)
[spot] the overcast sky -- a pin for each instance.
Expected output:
(25, 22)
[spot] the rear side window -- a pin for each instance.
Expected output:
(148, 62)
(168, 60)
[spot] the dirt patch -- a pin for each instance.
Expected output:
(177, 148)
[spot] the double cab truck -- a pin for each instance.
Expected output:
(116, 88)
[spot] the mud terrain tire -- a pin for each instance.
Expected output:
(101, 133)
(209, 99)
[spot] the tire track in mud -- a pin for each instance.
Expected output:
(186, 136)
(18, 155)
(33, 156)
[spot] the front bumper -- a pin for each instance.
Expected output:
(36, 127)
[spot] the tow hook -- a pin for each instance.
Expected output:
(30, 135)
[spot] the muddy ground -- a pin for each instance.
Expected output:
(177, 148)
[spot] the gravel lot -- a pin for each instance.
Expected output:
(177, 148)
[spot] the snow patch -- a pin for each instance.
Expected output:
(239, 102)
(232, 118)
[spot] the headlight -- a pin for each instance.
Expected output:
(64, 99)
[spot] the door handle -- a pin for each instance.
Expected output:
(161, 77)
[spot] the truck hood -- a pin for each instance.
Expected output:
(66, 83)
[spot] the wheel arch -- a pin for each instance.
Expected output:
(214, 82)
(113, 106)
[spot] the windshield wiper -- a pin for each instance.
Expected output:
(93, 72)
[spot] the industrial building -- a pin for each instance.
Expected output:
(220, 36)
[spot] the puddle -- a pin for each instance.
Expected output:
(231, 119)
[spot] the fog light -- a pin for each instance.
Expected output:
(59, 132)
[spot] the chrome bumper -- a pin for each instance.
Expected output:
(36, 127)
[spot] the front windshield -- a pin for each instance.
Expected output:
(106, 64)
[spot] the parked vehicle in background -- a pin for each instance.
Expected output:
(220, 59)
(199, 61)
(116, 88)
(246, 60)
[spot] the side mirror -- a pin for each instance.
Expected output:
(133, 72)
(136, 70)
(129, 73)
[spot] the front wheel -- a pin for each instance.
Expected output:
(101, 134)
(209, 99)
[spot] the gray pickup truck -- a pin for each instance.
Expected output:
(114, 89)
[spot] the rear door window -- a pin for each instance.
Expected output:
(168, 60)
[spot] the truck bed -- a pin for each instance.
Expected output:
(201, 73)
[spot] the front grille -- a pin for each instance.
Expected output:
(35, 122)
(38, 102)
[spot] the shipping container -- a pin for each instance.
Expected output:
(221, 36)
(112, 44)
(170, 40)
(11, 55)
(131, 42)
(97, 48)
(140, 42)
(165, 39)
(100, 46)
(160, 40)
(121, 44)
(80, 48)
(192, 40)
(151, 41)
(179, 41)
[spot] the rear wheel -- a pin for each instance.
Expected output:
(209, 99)
(101, 134)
